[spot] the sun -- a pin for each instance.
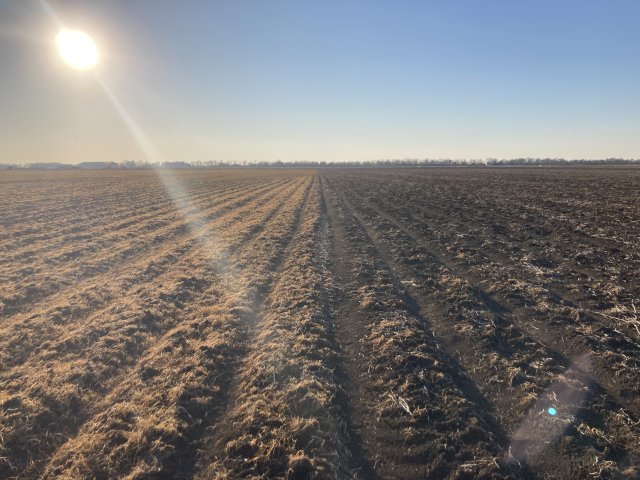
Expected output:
(77, 49)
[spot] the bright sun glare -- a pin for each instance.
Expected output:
(77, 49)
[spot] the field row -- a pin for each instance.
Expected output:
(332, 324)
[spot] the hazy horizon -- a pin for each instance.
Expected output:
(332, 81)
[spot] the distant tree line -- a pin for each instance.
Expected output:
(388, 163)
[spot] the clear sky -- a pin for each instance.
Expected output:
(324, 80)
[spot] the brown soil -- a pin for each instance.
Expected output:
(301, 324)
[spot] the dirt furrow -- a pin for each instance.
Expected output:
(283, 421)
(27, 287)
(168, 403)
(82, 365)
(105, 221)
(56, 322)
(572, 329)
(419, 414)
(157, 254)
(520, 375)
(78, 204)
(87, 216)
(299, 324)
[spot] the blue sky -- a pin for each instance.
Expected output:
(347, 80)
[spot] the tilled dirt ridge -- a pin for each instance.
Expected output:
(301, 324)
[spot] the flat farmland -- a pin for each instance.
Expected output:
(355, 323)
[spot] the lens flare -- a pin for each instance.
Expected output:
(77, 49)
(544, 425)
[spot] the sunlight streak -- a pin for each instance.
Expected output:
(180, 197)
(146, 146)
(178, 194)
(47, 8)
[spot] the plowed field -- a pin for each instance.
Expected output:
(300, 324)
